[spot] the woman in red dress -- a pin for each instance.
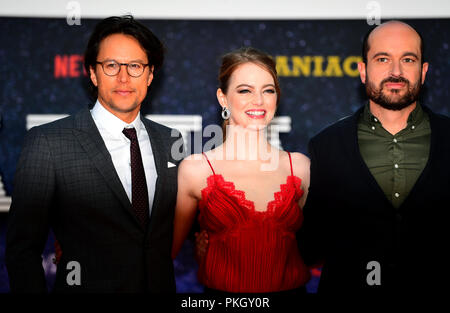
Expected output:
(249, 193)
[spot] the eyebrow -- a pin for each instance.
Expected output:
(408, 53)
(247, 85)
(131, 61)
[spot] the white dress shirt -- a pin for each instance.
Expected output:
(110, 128)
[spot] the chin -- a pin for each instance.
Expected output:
(126, 107)
(394, 94)
(256, 126)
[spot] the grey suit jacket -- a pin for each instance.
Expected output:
(65, 180)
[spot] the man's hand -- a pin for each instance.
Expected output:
(58, 253)
(201, 245)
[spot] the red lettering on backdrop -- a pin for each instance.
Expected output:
(61, 66)
(69, 66)
(74, 65)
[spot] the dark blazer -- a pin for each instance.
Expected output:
(65, 180)
(349, 222)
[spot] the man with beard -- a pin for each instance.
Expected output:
(380, 179)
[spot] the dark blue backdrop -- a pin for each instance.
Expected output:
(187, 84)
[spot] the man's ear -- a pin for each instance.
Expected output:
(424, 71)
(362, 71)
(221, 97)
(93, 76)
(150, 75)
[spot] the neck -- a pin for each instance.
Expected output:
(392, 121)
(127, 117)
(246, 144)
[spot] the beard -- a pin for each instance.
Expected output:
(393, 101)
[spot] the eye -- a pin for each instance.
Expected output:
(111, 65)
(243, 91)
(269, 90)
(409, 60)
(382, 60)
(135, 66)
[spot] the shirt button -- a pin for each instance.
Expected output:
(395, 140)
(373, 127)
(396, 165)
(375, 119)
(412, 127)
(397, 195)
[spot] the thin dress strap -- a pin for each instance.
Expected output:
(290, 161)
(209, 163)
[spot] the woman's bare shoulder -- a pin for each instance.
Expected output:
(299, 159)
(193, 165)
(300, 163)
(192, 175)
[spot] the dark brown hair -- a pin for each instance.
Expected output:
(126, 25)
(233, 59)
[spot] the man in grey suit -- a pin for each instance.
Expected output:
(103, 180)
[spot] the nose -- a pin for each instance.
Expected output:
(258, 98)
(396, 69)
(123, 76)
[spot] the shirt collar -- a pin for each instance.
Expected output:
(112, 123)
(414, 118)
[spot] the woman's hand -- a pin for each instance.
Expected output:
(201, 245)
(58, 253)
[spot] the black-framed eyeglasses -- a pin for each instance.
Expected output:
(112, 68)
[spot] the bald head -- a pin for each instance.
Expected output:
(393, 70)
(393, 32)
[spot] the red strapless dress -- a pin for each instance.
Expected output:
(249, 250)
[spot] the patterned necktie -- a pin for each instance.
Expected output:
(139, 193)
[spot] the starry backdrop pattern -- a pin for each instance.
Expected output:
(188, 81)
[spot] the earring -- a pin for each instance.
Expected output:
(225, 113)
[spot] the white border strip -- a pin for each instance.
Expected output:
(229, 9)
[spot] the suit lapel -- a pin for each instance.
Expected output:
(354, 155)
(423, 176)
(351, 143)
(159, 155)
(90, 139)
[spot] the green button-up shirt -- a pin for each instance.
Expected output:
(395, 161)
